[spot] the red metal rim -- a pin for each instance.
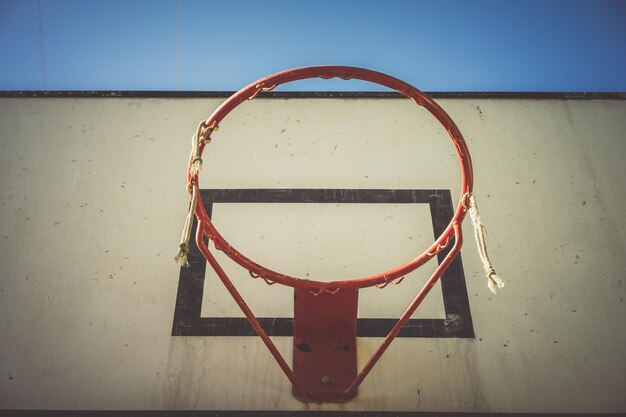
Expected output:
(206, 227)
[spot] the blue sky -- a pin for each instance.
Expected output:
(482, 45)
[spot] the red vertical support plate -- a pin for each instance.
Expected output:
(324, 351)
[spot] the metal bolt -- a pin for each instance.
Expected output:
(326, 380)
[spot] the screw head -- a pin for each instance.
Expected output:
(326, 380)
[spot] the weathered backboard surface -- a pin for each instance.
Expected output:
(97, 316)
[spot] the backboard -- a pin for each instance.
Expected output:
(98, 317)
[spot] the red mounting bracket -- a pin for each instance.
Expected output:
(324, 345)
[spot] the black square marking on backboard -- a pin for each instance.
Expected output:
(458, 322)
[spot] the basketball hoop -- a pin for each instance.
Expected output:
(325, 313)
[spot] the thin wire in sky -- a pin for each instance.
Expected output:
(178, 48)
(41, 46)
